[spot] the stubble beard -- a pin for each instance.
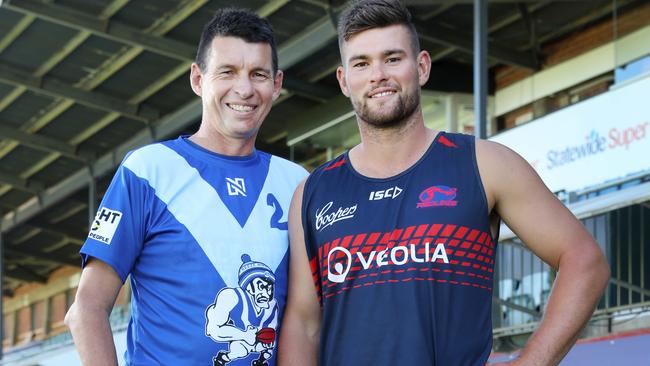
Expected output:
(405, 106)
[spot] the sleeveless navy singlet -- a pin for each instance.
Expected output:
(403, 266)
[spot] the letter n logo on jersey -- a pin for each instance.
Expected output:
(236, 186)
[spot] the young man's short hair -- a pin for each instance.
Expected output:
(363, 15)
(238, 23)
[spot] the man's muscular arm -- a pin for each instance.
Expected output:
(88, 315)
(300, 335)
(217, 319)
(550, 231)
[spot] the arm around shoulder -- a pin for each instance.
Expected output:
(300, 334)
(553, 233)
(88, 316)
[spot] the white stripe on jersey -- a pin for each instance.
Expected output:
(197, 205)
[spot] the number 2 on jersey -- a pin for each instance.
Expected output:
(277, 215)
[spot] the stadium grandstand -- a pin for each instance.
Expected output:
(84, 82)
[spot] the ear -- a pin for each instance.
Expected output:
(424, 67)
(340, 76)
(277, 84)
(195, 78)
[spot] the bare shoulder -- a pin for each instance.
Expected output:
(300, 188)
(496, 157)
(526, 205)
(296, 241)
(501, 168)
(296, 201)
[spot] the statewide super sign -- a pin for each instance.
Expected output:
(588, 143)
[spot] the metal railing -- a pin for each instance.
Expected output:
(524, 280)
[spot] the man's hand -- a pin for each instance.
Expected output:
(250, 335)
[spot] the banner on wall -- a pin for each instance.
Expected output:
(589, 143)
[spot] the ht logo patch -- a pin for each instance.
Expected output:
(105, 224)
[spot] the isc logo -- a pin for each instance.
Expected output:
(386, 193)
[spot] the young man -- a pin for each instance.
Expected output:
(198, 222)
(396, 268)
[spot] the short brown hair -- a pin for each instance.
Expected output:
(363, 15)
(239, 23)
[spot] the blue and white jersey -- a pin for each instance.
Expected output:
(203, 236)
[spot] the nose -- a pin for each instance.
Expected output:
(378, 72)
(243, 87)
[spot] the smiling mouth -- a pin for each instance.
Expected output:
(240, 107)
(383, 94)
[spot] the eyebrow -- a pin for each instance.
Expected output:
(385, 53)
(224, 66)
(230, 66)
(262, 69)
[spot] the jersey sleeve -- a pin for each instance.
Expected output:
(117, 233)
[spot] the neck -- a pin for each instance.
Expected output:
(212, 140)
(384, 153)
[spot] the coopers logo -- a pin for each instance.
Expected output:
(595, 143)
(339, 259)
(324, 218)
(435, 196)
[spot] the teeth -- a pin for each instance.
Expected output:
(241, 108)
(383, 94)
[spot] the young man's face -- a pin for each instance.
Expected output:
(237, 86)
(261, 290)
(382, 75)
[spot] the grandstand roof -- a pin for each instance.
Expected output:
(84, 81)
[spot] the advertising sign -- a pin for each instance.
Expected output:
(589, 143)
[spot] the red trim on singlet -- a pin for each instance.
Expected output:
(336, 165)
(445, 141)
